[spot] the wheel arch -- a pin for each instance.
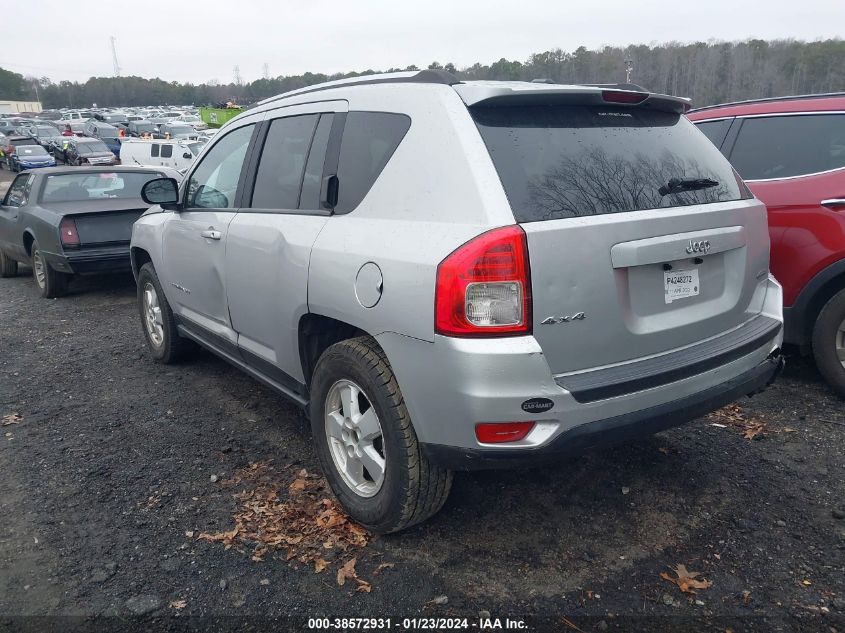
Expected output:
(802, 315)
(316, 334)
(138, 256)
(28, 240)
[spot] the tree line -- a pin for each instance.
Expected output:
(708, 72)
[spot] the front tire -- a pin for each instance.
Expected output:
(829, 342)
(8, 266)
(50, 281)
(366, 443)
(157, 320)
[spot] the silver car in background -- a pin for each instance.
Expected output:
(451, 275)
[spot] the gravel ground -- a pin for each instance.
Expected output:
(116, 465)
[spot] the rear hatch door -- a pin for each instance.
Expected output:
(641, 238)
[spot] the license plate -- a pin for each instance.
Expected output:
(680, 284)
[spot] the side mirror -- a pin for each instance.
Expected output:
(163, 192)
(187, 155)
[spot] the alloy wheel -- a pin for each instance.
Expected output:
(38, 265)
(152, 315)
(355, 438)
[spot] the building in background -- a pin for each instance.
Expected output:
(18, 107)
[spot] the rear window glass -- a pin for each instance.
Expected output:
(87, 186)
(369, 140)
(785, 146)
(574, 161)
(279, 177)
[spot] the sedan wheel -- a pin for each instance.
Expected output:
(829, 342)
(152, 315)
(38, 268)
(355, 438)
(840, 343)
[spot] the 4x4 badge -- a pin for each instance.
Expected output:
(578, 316)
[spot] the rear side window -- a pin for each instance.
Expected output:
(312, 180)
(785, 146)
(574, 161)
(154, 150)
(716, 131)
(279, 176)
(369, 140)
(166, 151)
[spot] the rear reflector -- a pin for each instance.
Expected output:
(502, 432)
(67, 229)
(623, 96)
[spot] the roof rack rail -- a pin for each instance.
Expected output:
(428, 76)
(820, 95)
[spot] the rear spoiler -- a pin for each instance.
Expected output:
(489, 94)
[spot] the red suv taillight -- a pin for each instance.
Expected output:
(67, 229)
(484, 287)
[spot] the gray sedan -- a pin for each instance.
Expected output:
(67, 221)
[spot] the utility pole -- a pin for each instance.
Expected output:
(114, 57)
(236, 71)
(266, 70)
(629, 68)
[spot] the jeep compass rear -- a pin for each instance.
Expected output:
(454, 275)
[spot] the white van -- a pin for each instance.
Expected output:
(159, 152)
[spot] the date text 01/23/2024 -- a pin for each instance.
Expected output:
(416, 624)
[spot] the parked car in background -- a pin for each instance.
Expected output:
(78, 151)
(176, 131)
(44, 134)
(12, 143)
(105, 132)
(112, 118)
(791, 154)
(587, 269)
(30, 157)
(140, 128)
(67, 221)
(193, 121)
(71, 118)
(165, 153)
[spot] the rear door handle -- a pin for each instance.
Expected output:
(833, 202)
(212, 234)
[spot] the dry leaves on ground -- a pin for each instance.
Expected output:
(732, 415)
(178, 604)
(12, 418)
(687, 581)
(302, 524)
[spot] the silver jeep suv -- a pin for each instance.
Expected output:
(452, 275)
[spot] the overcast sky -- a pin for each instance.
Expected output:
(199, 40)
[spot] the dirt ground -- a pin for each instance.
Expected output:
(113, 467)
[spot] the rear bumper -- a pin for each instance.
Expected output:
(612, 431)
(112, 259)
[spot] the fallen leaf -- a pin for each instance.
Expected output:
(664, 450)
(298, 484)
(320, 564)
(686, 580)
(347, 571)
(178, 604)
(189, 534)
(363, 586)
(12, 418)
(383, 566)
(746, 597)
(806, 583)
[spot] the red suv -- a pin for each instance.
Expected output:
(791, 153)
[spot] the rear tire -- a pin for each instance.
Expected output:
(829, 342)
(50, 281)
(8, 266)
(157, 320)
(410, 489)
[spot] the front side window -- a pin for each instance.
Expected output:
(166, 151)
(214, 183)
(279, 177)
(788, 146)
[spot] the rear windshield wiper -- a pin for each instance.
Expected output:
(676, 185)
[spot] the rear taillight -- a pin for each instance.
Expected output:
(623, 96)
(70, 237)
(484, 287)
(502, 432)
